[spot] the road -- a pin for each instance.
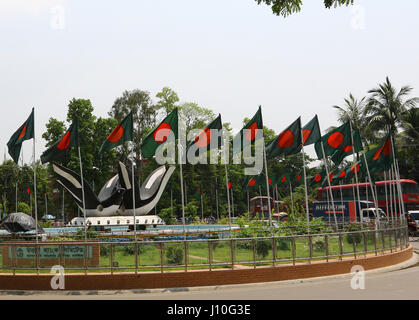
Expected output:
(399, 284)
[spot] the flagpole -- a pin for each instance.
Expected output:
(82, 190)
(267, 188)
(372, 188)
(385, 188)
(133, 189)
(35, 189)
(397, 173)
(16, 196)
(356, 172)
(292, 200)
(202, 206)
(216, 197)
(182, 191)
(330, 187)
(232, 200)
(305, 183)
(228, 198)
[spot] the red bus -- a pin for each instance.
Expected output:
(410, 193)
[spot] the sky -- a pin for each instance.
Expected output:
(227, 55)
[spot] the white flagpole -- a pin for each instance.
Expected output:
(330, 187)
(356, 171)
(16, 196)
(228, 199)
(216, 197)
(133, 190)
(292, 200)
(182, 191)
(232, 201)
(267, 188)
(35, 189)
(82, 191)
(305, 183)
(385, 188)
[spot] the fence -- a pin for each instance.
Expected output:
(248, 252)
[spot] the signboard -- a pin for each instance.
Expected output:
(52, 252)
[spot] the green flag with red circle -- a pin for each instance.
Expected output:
(311, 132)
(318, 177)
(25, 132)
(122, 133)
(349, 149)
(381, 157)
(334, 141)
(251, 182)
(297, 178)
(288, 142)
(63, 146)
(160, 134)
(203, 141)
(284, 179)
(249, 134)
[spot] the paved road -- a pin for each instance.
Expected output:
(400, 284)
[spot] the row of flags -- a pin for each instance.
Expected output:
(337, 144)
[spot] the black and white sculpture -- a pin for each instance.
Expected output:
(116, 196)
(105, 204)
(148, 195)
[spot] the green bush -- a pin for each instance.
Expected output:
(174, 255)
(104, 250)
(128, 250)
(319, 244)
(283, 244)
(263, 247)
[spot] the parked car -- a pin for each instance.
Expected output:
(412, 218)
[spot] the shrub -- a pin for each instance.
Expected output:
(104, 250)
(174, 255)
(283, 244)
(262, 247)
(319, 244)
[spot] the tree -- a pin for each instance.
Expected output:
(386, 106)
(167, 100)
(353, 110)
(144, 114)
(195, 116)
(408, 144)
(288, 7)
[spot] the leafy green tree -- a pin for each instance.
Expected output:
(144, 114)
(386, 106)
(288, 7)
(168, 100)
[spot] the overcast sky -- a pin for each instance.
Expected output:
(227, 55)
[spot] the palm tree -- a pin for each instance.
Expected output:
(386, 106)
(353, 110)
(410, 125)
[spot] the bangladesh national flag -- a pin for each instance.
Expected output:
(25, 132)
(345, 151)
(297, 178)
(311, 132)
(198, 193)
(335, 140)
(249, 131)
(122, 133)
(318, 177)
(284, 179)
(203, 139)
(287, 143)
(380, 158)
(271, 181)
(160, 133)
(63, 146)
(342, 175)
(251, 182)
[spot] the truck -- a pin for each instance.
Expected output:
(347, 211)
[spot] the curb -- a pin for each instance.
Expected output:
(401, 266)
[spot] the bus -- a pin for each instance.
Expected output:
(410, 194)
(259, 207)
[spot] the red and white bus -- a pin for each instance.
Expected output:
(410, 193)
